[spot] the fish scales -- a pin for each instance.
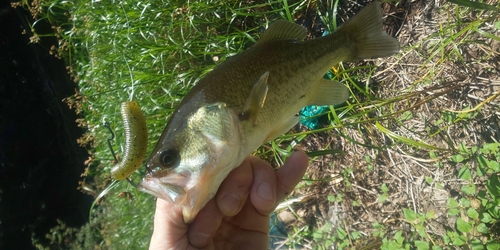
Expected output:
(288, 72)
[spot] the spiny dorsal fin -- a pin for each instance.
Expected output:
(256, 99)
(283, 30)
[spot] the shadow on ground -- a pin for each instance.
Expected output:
(40, 161)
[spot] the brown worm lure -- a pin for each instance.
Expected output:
(136, 141)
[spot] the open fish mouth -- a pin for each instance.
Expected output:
(169, 188)
(187, 190)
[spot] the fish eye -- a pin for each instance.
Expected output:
(168, 157)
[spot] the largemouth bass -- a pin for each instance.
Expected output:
(252, 98)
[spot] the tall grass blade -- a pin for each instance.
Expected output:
(471, 4)
(405, 140)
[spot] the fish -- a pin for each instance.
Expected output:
(136, 141)
(252, 98)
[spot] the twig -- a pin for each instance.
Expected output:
(362, 188)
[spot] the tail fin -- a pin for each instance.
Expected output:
(366, 32)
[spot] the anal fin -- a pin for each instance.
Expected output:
(330, 93)
(256, 99)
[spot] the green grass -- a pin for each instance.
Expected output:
(154, 52)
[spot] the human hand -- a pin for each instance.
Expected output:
(238, 216)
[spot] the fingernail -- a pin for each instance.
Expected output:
(265, 192)
(231, 203)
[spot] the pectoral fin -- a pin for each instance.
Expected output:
(330, 93)
(256, 99)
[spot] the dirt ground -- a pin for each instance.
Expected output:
(433, 87)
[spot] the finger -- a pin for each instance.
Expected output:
(234, 190)
(169, 228)
(205, 225)
(263, 192)
(290, 174)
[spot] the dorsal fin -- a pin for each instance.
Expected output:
(283, 30)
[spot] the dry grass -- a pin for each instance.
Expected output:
(441, 78)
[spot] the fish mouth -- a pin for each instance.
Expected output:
(188, 192)
(161, 189)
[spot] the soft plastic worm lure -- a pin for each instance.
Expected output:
(136, 141)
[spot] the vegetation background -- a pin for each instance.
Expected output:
(411, 161)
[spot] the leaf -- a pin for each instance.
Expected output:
(432, 154)
(482, 166)
(446, 239)
(490, 148)
(421, 230)
(451, 203)
(493, 245)
(384, 188)
(410, 215)
(469, 189)
(368, 159)
(464, 202)
(472, 213)
(494, 165)
(476, 245)
(493, 186)
(494, 210)
(459, 241)
(339, 197)
(331, 198)
(453, 211)
(398, 236)
(482, 228)
(462, 148)
(382, 198)
(497, 25)
(457, 158)
(429, 180)
(439, 164)
(328, 243)
(356, 235)
(341, 233)
(421, 245)
(318, 235)
(486, 218)
(483, 196)
(390, 245)
(464, 174)
(449, 116)
(463, 226)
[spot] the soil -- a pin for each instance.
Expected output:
(40, 160)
